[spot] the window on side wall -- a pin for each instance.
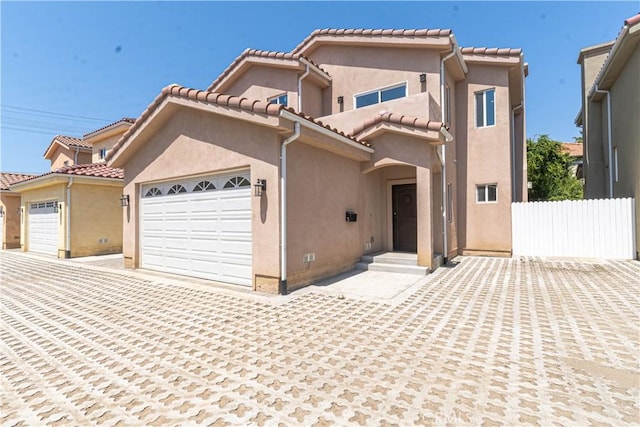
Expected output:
(485, 108)
(381, 95)
(280, 100)
(487, 193)
(102, 153)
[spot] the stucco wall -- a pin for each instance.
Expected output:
(195, 143)
(64, 155)
(625, 100)
(483, 156)
(107, 143)
(96, 216)
(260, 83)
(56, 191)
(10, 220)
(321, 187)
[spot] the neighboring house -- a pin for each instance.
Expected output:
(10, 209)
(75, 210)
(72, 211)
(610, 117)
(67, 151)
(292, 166)
(576, 152)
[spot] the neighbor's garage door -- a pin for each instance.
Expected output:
(199, 228)
(43, 227)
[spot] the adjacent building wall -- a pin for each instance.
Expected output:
(68, 155)
(10, 203)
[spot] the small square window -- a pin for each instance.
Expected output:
(280, 100)
(486, 193)
(485, 108)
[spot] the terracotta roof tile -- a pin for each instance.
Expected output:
(490, 51)
(8, 178)
(573, 149)
(398, 119)
(71, 141)
(122, 120)
(371, 32)
(97, 170)
(260, 54)
(261, 107)
(633, 20)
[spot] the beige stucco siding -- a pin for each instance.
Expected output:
(10, 203)
(262, 83)
(192, 143)
(66, 155)
(96, 219)
(55, 191)
(107, 143)
(483, 156)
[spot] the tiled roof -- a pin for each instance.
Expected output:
(372, 33)
(633, 20)
(260, 54)
(71, 141)
(96, 170)
(399, 119)
(122, 120)
(260, 107)
(573, 149)
(8, 178)
(490, 51)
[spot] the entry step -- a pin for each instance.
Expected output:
(392, 258)
(392, 268)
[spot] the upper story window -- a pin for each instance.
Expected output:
(102, 153)
(280, 100)
(486, 193)
(485, 108)
(381, 95)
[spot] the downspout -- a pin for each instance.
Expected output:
(75, 156)
(67, 245)
(513, 151)
(443, 158)
(283, 207)
(609, 144)
(302, 77)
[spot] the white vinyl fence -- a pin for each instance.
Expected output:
(574, 228)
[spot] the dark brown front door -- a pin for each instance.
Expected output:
(405, 218)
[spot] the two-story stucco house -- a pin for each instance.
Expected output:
(293, 165)
(610, 117)
(74, 210)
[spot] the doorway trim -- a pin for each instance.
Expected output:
(389, 207)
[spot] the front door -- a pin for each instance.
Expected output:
(405, 218)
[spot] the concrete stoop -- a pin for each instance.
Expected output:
(392, 262)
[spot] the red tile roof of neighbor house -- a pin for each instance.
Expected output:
(235, 102)
(8, 178)
(342, 32)
(492, 51)
(71, 141)
(95, 170)
(122, 120)
(260, 54)
(573, 149)
(633, 20)
(399, 119)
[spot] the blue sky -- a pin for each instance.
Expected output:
(91, 63)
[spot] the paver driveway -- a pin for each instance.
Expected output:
(491, 341)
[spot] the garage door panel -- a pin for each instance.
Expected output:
(203, 234)
(43, 227)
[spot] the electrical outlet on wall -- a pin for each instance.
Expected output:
(367, 246)
(309, 257)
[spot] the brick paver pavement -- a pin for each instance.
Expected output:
(491, 341)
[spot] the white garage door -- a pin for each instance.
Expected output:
(43, 227)
(199, 228)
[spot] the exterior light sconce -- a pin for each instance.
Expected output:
(19, 211)
(1, 211)
(260, 187)
(351, 216)
(423, 78)
(124, 200)
(341, 100)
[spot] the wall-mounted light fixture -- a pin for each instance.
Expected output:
(124, 200)
(351, 216)
(260, 187)
(341, 100)
(18, 211)
(423, 78)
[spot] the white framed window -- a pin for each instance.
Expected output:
(615, 164)
(66, 163)
(380, 95)
(487, 193)
(102, 153)
(280, 100)
(485, 108)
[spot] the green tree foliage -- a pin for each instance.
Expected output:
(549, 171)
